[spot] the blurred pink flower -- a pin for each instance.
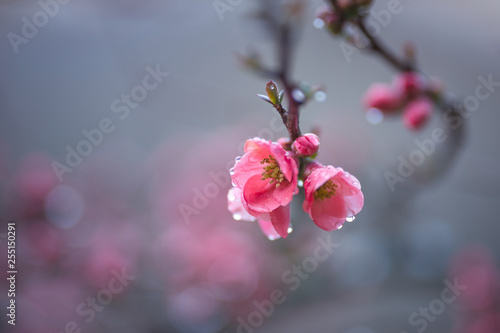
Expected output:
(475, 268)
(382, 97)
(485, 323)
(45, 244)
(417, 113)
(332, 196)
(32, 184)
(306, 145)
(229, 266)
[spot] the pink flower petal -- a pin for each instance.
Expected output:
(236, 207)
(280, 218)
(268, 229)
(259, 195)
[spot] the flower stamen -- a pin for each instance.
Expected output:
(327, 190)
(272, 171)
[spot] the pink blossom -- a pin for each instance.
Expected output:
(267, 177)
(306, 145)
(381, 96)
(332, 196)
(417, 113)
(268, 229)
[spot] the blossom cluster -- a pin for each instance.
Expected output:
(410, 93)
(266, 178)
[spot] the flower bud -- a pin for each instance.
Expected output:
(417, 113)
(381, 96)
(306, 145)
(272, 92)
(409, 84)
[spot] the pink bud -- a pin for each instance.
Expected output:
(381, 96)
(306, 145)
(417, 113)
(409, 84)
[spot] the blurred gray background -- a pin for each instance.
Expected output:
(65, 78)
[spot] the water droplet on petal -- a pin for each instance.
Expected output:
(350, 218)
(320, 96)
(233, 184)
(231, 196)
(290, 229)
(340, 227)
(231, 171)
(237, 159)
(298, 95)
(318, 23)
(271, 237)
(237, 216)
(300, 183)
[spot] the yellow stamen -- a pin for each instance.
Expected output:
(272, 171)
(327, 190)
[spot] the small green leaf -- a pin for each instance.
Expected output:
(265, 98)
(272, 92)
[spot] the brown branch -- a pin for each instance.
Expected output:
(377, 47)
(284, 55)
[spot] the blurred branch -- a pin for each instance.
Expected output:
(401, 64)
(281, 29)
